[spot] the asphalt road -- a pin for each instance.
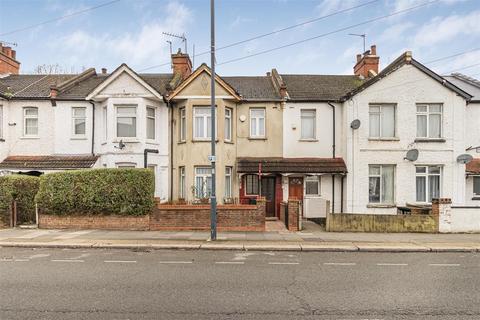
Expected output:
(124, 284)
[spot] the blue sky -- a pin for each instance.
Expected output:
(130, 31)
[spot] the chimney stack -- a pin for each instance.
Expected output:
(104, 70)
(181, 64)
(8, 62)
(367, 63)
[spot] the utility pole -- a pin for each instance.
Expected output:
(213, 199)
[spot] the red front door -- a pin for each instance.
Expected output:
(295, 188)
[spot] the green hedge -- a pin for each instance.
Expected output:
(97, 191)
(22, 189)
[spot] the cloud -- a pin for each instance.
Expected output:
(138, 48)
(330, 6)
(396, 32)
(443, 29)
(239, 21)
(405, 4)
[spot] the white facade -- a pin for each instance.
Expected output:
(405, 89)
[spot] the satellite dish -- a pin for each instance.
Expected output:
(464, 158)
(412, 155)
(355, 124)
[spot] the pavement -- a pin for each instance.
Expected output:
(313, 238)
(91, 284)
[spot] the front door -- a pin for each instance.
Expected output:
(268, 191)
(295, 188)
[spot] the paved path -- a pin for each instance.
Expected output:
(163, 284)
(305, 240)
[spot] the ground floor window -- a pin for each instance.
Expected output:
(251, 184)
(181, 191)
(228, 182)
(476, 186)
(203, 182)
(381, 182)
(428, 179)
(312, 186)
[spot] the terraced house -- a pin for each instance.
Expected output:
(375, 141)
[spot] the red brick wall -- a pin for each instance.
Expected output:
(105, 222)
(293, 213)
(197, 217)
(7, 63)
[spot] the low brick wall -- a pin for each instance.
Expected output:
(344, 222)
(104, 222)
(197, 217)
(289, 214)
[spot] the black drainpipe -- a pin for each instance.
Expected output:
(333, 154)
(341, 196)
(145, 156)
(93, 126)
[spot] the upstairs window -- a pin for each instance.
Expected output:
(428, 179)
(202, 125)
(382, 121)
(126, 121)
(228, 124)
(30, 121)
(429, 121)
(151, 123)
(105, 123)
(1, 122)
(257, 123)
(308, 119)
(79, 120)
(381, 182)
(183, 125)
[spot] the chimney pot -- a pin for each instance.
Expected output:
(359, 57)
(373, 50)
(104, 70)
(53, 92)
(8, 62)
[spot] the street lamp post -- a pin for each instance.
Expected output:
(213, 199)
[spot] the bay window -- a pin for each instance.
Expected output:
(428, 179)
(228, 182)
(181, 191)
(202, 126)
(126, 121)
(183, 124)
(1, 122)
(381, 184)
(203, 182)
(151, 123)
(228, 124)
(476, 186)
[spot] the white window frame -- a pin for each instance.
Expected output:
(380, 118)
(228, 129)
(228, 182)
(25, 117)
(1, 122)
(303, 115)
(183, 124)
(206, 123)
(105, 123)
(476, 194)
(380, 176)
(126, 115)
(154, 118)
(74, 118)
(204, 186)
(427, 114)
(182, 183)
(126, 165)
(312, 179)
(254, 129)
(246, 185)
(427, 176)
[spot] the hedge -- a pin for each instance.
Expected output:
(22, 189)
(97, 191)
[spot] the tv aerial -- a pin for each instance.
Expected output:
(361, 35)
(181, 37)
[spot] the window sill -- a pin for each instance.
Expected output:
(203, 140)
(428, 140)
(384, 139)
(182, 142)
(2, 140)
(78, 138)
(476, 198)
(308, 140)
(257, 138)
(126, 140)
(152, 142)
(381, 205)
(30, 138)
(228, 141)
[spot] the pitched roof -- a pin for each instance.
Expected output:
(406, 58)
(31, 86)
(319, 87)
(48, 162)
(255, 88)
(291, 165)
(466, 83)
(473, 167)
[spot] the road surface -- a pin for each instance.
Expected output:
(126, 284)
